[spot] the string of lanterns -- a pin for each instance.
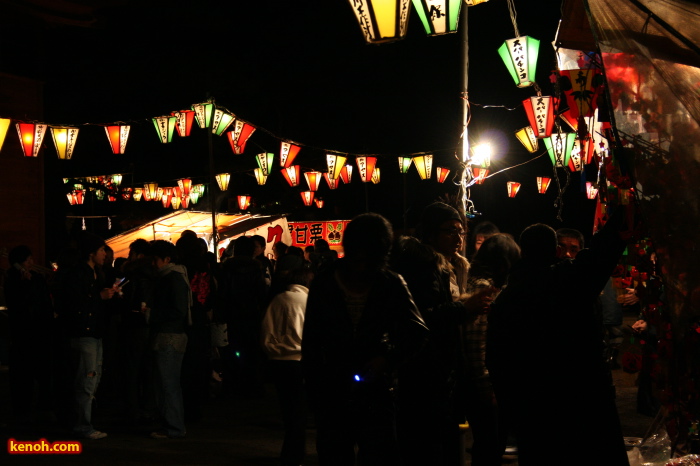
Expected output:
(566, 149)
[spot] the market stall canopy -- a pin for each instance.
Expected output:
(171, 226)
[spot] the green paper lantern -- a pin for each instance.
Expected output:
(520, 57)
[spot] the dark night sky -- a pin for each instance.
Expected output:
(299, 71)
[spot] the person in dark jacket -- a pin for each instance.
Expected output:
(31, 319)
(242, 299)
(169, 318)
(546, 314)
(84, 316)
(361, 326)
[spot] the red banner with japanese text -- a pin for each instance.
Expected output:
(305, 233)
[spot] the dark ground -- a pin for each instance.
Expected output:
(232, 431)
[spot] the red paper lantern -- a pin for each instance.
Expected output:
(307, 197)
(291, 174)
(288, 153)
(366, 166)
(239, 136)
(117, 136)
(480, 174)
(313, 179)
(442, 173)
(243, 202)
(513, 188)
(319, 203)
(31, 135)
(185, 118)
(543, 184)
(346, 174)
(185, 186)
(332, 184)
(540, 113)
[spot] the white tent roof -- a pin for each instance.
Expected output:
(171, 226)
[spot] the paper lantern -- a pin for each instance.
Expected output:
(288, 153)
(581, 154)
(527, 138)
(31, 135)
(365, 166)
(260, 177)
(543, 184)
(307, 197)
(591, 190)
(175, 201)
(184, 201)
(127, 193)
(481, 155)
(424, 165)
(117, 136)
(64, 140)
(559, 146)
(313, 179)
(442, 173)
(405, 164)
(159, 194)
(291, 174)
(185, 186)
(165, 126)
(346, 174)
(243, 202)
(582, 95)
(4, 126)
(332, 184)
(185, 118)
(150, 190)
(202, 113)
(480, 174)
(335, 165)
(116, 179)
(540, 114)
(222, 120)
(319, 203)
(138, 192)
(382, 20)
(222, 179)
(570, 120)
(194, 197)
(100, 194)
(474, 2)
(438, 16)
(265, 162)
(376, 175)
(513, 188)
(167, 197)
(112, 198)
(520, 57)
(239, 136)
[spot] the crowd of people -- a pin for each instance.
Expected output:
(391, 347)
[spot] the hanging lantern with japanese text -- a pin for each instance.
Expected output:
(346, 174)
(540, 114)
(405, 164)
(543, 184)
(438, 16)
(291, 174)
(332, 184)
(335, 164)
(365, 166)
(202, 113)
(265, 162)
(559, 146)
(185, 118)
(64, 140)
(243, 202)
(313, 179)
(165, 126)
(520, 57)
(382, 20)
(222, 179)
(239, 136)
(288, 153)
(424, 165)
(307, 197)
(31, 135)
(442, 173)
(117, 136)
(527, 138)
(222, 120)
(260, 177)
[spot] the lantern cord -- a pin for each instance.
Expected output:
(512, 166)
(513, 16)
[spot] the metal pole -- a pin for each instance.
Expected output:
(212, 196)
(464, 35)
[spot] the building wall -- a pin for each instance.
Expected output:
(21, 178)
